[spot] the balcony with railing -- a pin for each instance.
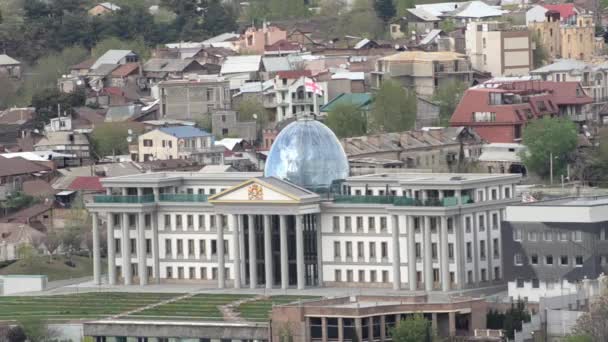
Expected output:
(123, 199)
(183, 198)
(401, 200)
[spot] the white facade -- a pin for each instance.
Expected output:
(290, 97)
(61, 123)
(12, 284)
(536, 14)
(448, 223)
(158, 145)
(533, 291)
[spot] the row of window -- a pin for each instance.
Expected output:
(360, 250)
(190, 247)
(372, 276)
(189, 221)
(371, 223)
(180, 272)
(563, 260)
(548, 235)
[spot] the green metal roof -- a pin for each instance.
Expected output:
(362, 100)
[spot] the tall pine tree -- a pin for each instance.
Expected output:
(385, 9)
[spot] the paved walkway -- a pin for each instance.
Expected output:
(230, 314)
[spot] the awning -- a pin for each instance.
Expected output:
(65, 193)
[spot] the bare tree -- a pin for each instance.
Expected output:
(53, 242)
(594, 323)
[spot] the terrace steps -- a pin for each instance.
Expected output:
(153, 305)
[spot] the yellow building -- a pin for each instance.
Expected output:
(576, 41)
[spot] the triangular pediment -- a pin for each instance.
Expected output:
(255, 190)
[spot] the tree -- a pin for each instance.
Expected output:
(547, 137)
(594, 323)
(403, 5)
(37, 330)
(385, 9)
(76, 225)
(16, 334)
(26, 252)
(49, 101)
(539, 54)
(347, 120)
(249, 107)
(448, 95)
(414, 328)
(8, 91)
(204, 122)
(52, 242)
(110, 138)
(447, 25)
(514, 317)
(394, 108)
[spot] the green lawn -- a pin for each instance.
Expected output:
(86, 305)
(55, 270)
(259, 310)
(199, 307)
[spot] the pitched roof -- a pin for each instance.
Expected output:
(282, 45)
(110, 6)
(63, 138)
(86, 64)
(123, 113)
(111, 57)
(17, 115)
(12, 232)
(411, 56)
(38, 188)
(430, 36)
(565, 10)
(19, 166)
(362, 101)
(422, 14)
(238, 64)
(184, 131)
(168, 65)
(125, 70)
(349, 75)
(23, 216)
(86, 183)
(6, 60)
(563, 65)
(294, 74)
(475, 9)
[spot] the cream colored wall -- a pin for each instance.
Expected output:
(493, 51)
(577, 41)
(550, 37)
(512, 43)
(157, 150)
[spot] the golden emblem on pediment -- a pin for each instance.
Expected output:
(255, 192)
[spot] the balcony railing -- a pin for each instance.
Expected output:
(401, 200)
(123, 199)
(183, 198)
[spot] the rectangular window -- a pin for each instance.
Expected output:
(494, 221)
(203, 272)
(517, 234)
(535, 283)
(360, 251)
(191, 273)
(337, 249)
(469, 277)
(484, 276)
(167, 221)
(180, 247)
(338, 275)
(549, 260)
(201, 247)
(349, 276)
(201, 221)
(450, 251)
(371, 223)
(548, 236)
(577, 235)
(383, 224)
(349, 249)
(372, 250)
(534, 259)
(482, 223)
(133, 245)
(178, 221)
(169, 271)
(418, 250)
(519, 259)
(372, 276)
(532, 236)
(520, 283)
(496, 248)
(190, 221)
(434, 250)
(117, 246)
(467, 224)
(563, 236)
(563, 260)
(497, 273)
(168, 247)
(482, 249)
(336, 224)
(212, 220)
(359, 223)
(347, 223)
(469, 251)
(148, 246)
(191, 247)
(384, 250)
(385, 276)
(361, 275)
(579, 261)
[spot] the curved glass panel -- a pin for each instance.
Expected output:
(307, 153)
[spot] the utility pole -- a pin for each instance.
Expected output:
(551, 167)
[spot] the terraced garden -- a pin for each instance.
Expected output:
(259, 310)
(75, 306)
(199, 307)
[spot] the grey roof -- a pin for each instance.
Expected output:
(112, 57)
(167, 65)
(475, 9)
(274, 64)
(565, 65)
(7, 60)
(288, 187)
(238, 64)
(184, 131)
(221, 38)
(62, 138)
(110, 170)
(422, 14)
(103, 69)
(123, 113)
(110, 6)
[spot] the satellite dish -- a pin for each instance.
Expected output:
(129, 139)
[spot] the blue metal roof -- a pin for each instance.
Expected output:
(184, 131)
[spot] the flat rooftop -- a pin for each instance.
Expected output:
(433, 178)
(572, 202)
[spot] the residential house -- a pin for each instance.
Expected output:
(242, 69)
(436, 149)
(255, 40)
(415, 20)
(343, 82)
(462, 12)
(38, 216)
(60, 123)
(282, 48)
(422, 71)
(362, 101)
(365, 166)
(130, 112)
(567, 39)
(9, 66)
(82, 68)
(15, 171)
(225, 123)
(592, 75)
(125, 75)
(498, 110)
(180, 142)
(115, 57)
(67, 142)
(17, 129)
(15, 235)
(502, 158)
(499, 48)
(160, 69)
(291, 97)
(538, 13)
(272, 65)
(103, 8)
(193, 98)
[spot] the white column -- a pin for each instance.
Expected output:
(141, 250)
(317, 223)
(444, 261)
(396, 257)
(411, 253)
(268, 265)
(284, 255)
(111, 250)
(126, 251)
(221, 276)
(300, 252)
(96, 254)
(242, 247)
(236, 245)
(156, 194)
(155, 251)
(428, 256)
(253, 274)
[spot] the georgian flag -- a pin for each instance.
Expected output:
(311, 86)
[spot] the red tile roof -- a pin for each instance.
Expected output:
(294, 74)
(20, 166)
(86, 183)
(283, 45)
(565, 10)
(125, 70)
(86, 64)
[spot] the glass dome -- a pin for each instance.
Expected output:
(307, 153)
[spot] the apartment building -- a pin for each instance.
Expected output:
(193, 97)
(499, 109)
(431, 232)
(177, 142)
(422, 71)
(552, 245)
(499, 48)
